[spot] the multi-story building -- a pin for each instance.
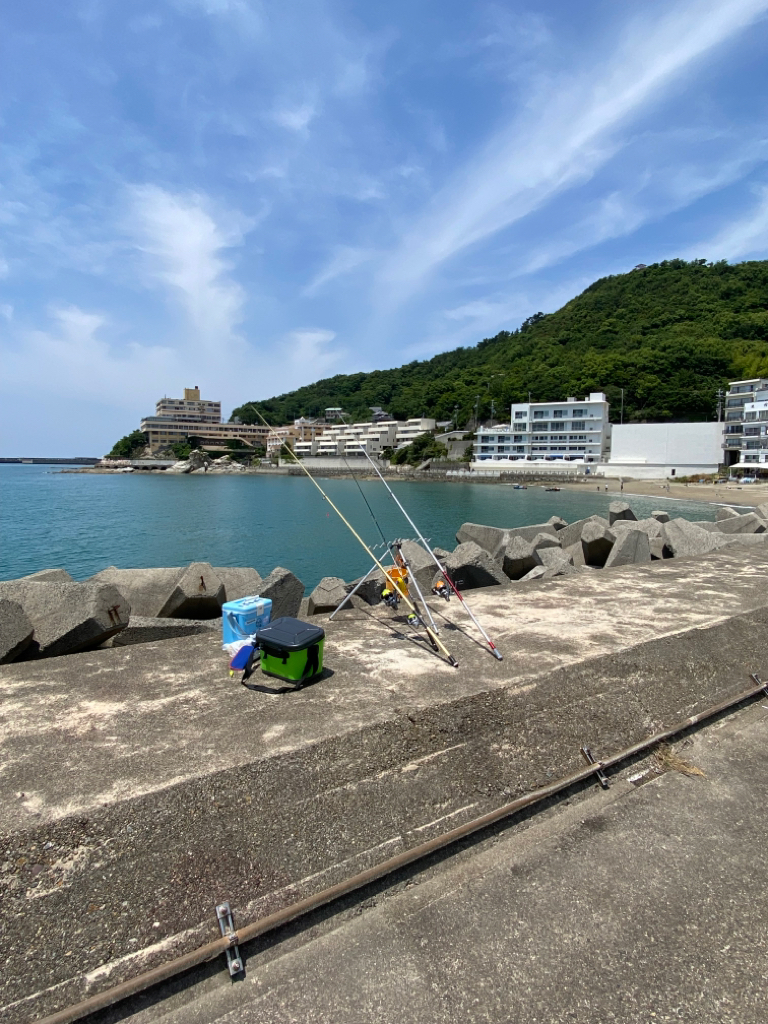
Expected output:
(411, 429)
(175, 420)
(573, 431)
(344, 440)
(743, 430)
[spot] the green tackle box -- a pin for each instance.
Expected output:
(291, 650)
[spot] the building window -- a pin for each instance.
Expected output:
(558, 414)
(557, 426)
(521, 415)
(578, 425)
(539, 414)
(579, 412)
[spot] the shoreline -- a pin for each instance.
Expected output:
(743, 495)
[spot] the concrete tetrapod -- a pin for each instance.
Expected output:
(725, 512)
(146, 590)
(493, 539)
(327, 595)
(239, 582)
(683, 538)
(660, 516)
(285, 591)
(572, 534)
(619, 510)
(632, 547)
(749, 523)
(651, 527)
(197, 594)
(519, 558)
(596, 541)
(420, 564)
(471, 566)
(49, 576)
(69, 617)
(16, 631)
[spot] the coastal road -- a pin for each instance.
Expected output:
(644, 903)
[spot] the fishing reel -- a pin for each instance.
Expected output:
(441, 589)
(390, 598)
(413, 620)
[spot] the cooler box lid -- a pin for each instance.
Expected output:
(290, 634)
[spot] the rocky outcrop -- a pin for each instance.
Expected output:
(197, 462)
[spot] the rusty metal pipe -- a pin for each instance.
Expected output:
(248, 932)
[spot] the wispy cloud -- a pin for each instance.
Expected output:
(309, 347)
(344, 259)
(183, 242)
(296, 119)
(566, 133)
(743, 238)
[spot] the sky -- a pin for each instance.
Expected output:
(250, 196)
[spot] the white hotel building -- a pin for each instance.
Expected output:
(570, 431)
(346, 440)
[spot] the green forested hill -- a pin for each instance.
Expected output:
(670, 334)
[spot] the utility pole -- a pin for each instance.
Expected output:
(493, 411)
(622, 405)
(477, 411)
(456, 417)
(720, 397)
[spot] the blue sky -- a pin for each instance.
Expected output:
(250, 196)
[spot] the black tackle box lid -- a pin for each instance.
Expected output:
(290, 634)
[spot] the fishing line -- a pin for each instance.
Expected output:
(433, 638)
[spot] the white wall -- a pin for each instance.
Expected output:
(691, 445)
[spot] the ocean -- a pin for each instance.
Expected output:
(84, 522)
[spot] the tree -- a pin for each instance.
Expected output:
(670, 334)
(129, 446)
(181, 449)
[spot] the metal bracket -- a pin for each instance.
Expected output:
(227, 926)
(602, 778)
(756, 678)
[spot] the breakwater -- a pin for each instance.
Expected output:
(85, 523)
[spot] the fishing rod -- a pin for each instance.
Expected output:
(494, 650)
(433, 638)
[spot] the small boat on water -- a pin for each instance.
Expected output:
(551, 488)
(519, 487)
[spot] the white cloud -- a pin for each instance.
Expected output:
(567, 131)
(308, 351)
(741, 239)
(296, 119)
(182, 241)
(344, 259)
(72, 359)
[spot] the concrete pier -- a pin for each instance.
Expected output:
(142, 785)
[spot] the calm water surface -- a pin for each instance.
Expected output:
(85, 522)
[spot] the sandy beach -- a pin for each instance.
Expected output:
(719, 494)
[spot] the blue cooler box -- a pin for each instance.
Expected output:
(241, 619)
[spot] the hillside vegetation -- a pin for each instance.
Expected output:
(670, 334)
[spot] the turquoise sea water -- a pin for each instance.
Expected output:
(85, 522)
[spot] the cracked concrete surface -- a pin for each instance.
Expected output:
(166, 786)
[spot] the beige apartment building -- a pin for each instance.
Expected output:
(176, 419)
